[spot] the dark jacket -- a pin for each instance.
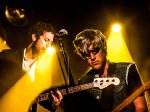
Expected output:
(104, 100)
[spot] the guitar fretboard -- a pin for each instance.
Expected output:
(70, 90)
(77, 88)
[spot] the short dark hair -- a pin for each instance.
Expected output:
(39, 28)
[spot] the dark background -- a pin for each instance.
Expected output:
(76, 15)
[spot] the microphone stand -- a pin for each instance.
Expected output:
(61, 45)
(71, 81)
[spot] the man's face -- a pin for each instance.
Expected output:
(95, 57)
(44, 41)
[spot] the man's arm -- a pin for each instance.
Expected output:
(140, 104)
(134, 83)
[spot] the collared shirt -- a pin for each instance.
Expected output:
(27, 63)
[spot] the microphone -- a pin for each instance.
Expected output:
(58, 36)
(61, 33)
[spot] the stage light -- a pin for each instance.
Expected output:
(117, 48)
(116, 27)
(50, 50)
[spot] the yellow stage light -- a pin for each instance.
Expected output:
(50, 50)
(116, 28)
(117, 48)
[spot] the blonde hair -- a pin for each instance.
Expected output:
(88, 37)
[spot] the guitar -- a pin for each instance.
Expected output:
(98, 82)
(132, 97)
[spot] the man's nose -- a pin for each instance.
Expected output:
(92, 56)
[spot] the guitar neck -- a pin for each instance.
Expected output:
(98, 82)
(69, 90)
(76, 88)
(132, 97)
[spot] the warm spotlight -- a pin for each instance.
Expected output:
(116, 28)
(117, 48)
(50, 50)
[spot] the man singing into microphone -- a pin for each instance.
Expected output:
(41, 35)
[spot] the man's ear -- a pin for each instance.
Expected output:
(33, 37)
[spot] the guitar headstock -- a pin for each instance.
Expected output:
(104, 82)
